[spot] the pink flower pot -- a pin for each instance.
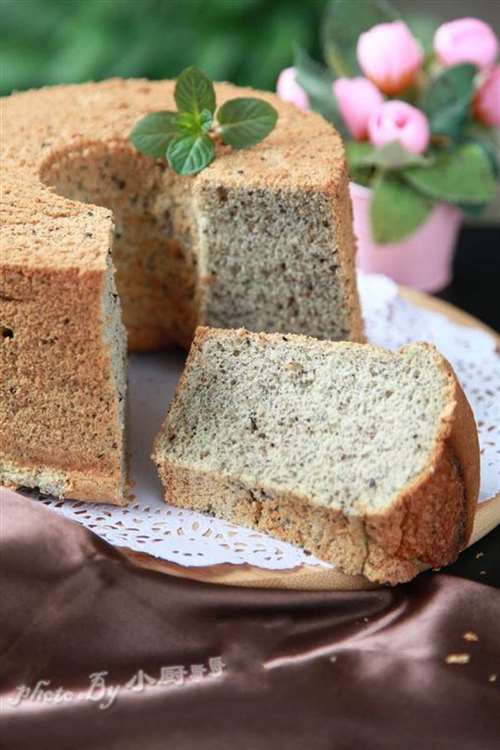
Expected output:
(423, 260)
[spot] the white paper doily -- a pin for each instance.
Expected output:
(150, 526)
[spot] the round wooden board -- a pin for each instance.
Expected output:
(310, 577)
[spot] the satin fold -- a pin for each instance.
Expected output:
(193, 665)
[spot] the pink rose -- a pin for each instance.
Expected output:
(390, 56)
(466, 40)
(289, 90)
(357, 99)
(486, 103)
(399, 121)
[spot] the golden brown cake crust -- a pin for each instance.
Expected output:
(60, 425)
(426, 526)
(305, 151)
(432, 520)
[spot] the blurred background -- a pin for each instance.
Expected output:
(245, 41)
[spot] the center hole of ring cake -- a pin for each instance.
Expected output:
(154, 265)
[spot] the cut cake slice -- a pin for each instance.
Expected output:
(367, 458)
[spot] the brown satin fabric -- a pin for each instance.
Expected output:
(71, 606)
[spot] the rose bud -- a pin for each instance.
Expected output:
(399, 121)
(289, 90)
(486, 104)
(390, 56)
(466, 40)
(357, 99)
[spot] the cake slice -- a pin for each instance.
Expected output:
(63, 378)
(369, 459)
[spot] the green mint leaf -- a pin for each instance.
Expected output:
(245, 121)
(316, 80)
(194, 92)
(188, 124)
(206, 120)
(343, 22)
(153, 133)
(397, 210)
(462, 175)
(189, 154)
(446, 101)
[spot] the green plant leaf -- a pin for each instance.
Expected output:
(460, 175)
(343, 22)
(361, 175)
(245, 121)
(189, 154)
(317, 81)
(194, 92)
(359, 154)
(492, 152)
(472, 211)
(194, 124)
(206, 120)
(423, 27)
(390, 156)
(153, 133)
(187, 123)
(397, 210)
(394, 156)
(447, 99)
(488, 139)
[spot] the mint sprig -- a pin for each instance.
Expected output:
(186, 138)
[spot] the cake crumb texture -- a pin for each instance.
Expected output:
(368, 459)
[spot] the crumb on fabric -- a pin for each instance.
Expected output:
(458, 659)
(470, 636)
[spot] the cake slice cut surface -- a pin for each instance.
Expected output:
(367, 458)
